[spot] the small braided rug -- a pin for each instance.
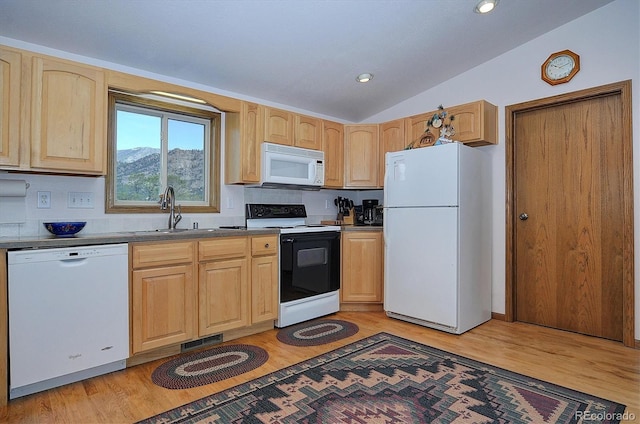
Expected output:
(317, 332)
(208, 366)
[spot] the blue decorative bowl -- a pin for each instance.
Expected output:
(64, 229)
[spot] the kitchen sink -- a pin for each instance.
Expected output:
(175, 230)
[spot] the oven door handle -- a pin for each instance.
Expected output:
(287, 240)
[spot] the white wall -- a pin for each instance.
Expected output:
(608, 42)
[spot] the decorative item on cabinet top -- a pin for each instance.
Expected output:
(442, 121)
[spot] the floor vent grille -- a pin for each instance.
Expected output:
(196, 344)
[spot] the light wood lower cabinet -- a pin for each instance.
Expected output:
(362, 267)
(162, 295)
(264, 278)
(176, 298)
(223, 282)
(223, 296)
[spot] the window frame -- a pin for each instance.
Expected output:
(170, 107)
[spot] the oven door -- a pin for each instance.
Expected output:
(309, 264)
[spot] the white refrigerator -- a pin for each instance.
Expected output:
(437, 234)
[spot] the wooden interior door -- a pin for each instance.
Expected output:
(571, 214)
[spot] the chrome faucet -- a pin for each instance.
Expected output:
(168, 199)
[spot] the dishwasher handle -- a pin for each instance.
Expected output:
(73, 261)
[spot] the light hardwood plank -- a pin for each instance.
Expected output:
(600, 367)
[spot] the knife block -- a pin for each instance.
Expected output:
(349, 219)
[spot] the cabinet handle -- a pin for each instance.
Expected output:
(266, 245)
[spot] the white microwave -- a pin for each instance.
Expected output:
(291, 166)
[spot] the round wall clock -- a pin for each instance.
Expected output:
(560, 67)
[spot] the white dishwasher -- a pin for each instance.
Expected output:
(68, 315)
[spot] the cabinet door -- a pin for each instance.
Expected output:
(308, 132)
(362, 262)
(244, 135)
(68, 117)
(223, 296)
(278, 126)
(162, 307)
(361, 156)
(333, 147)
(475, 123)
(415, 126)
(391, 140)
(264, 288)
(10, 82)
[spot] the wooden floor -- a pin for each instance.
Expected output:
(596, 366)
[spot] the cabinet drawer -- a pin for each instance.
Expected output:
(224, 247)
(146, 255)
(264, 245)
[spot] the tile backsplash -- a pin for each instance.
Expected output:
(319, 206)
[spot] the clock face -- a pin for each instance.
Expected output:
(560, 67)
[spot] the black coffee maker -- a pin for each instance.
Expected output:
(369, 211)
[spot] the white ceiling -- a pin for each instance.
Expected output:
(300, 53)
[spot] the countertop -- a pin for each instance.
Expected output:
(143, 236)
(126, 237)
(361, 228)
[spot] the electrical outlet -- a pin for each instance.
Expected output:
(44, 199)
(80, 200)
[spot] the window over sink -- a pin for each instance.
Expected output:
(154, 143)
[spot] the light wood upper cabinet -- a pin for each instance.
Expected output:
(392, 139)
(283, 127)
(68, 117)
(10, 101)
(333, 147)
(308, 132)
(362, 267)
(279, 126)
(162, 294)
(475, 123)
(361, 156)
(415, 127)
(244, 136)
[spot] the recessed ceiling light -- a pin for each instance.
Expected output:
(366, 77)
(485, 6)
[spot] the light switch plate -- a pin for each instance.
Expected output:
(80, 200)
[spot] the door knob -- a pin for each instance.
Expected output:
(523, 216)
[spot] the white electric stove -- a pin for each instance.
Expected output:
(309, 261)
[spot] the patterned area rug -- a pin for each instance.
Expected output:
(317, 332)
(387, 379)
(208, 366)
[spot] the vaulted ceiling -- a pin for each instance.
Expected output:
(304, 54)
